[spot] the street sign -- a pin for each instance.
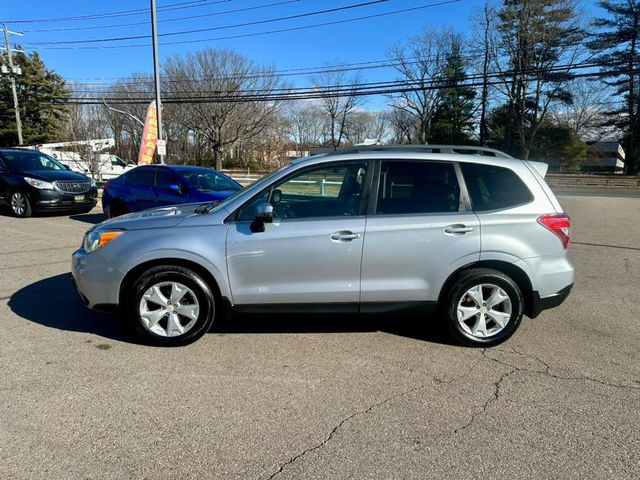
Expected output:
(162, 147)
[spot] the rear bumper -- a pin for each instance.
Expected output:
(539, 304)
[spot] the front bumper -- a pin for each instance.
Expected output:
(55, 200)
(96, 280)
(539, 304)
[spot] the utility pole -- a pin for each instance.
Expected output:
(156, 73)
(13, 72)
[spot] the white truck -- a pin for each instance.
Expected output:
(99, 166)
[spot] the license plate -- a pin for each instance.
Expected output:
(78, 198)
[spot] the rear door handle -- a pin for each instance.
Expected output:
(344, 236)
(458, 229)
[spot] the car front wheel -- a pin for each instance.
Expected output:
(20, 205)
(484, 308)
(169, 306)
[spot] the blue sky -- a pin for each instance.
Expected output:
(358, 41)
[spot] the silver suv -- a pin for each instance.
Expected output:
(468, 232)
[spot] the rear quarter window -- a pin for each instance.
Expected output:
(494, 188)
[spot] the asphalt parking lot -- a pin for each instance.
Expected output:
(318, 397)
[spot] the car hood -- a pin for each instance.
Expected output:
(162, 217)
(53, 175)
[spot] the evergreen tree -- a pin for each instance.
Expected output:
(453, 120)
(42, 95)
(617, 48)
(539, 41)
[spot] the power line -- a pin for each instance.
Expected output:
(379, 88)
(121, 13)
(223, 27)
(175, 19)
(255, 34)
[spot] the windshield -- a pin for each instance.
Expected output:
(208, 180)
(30, 161)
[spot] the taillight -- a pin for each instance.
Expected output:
(559, 224)
(106, 185)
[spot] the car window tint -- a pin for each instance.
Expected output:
(325, 191)
(417, 187)
(141, 177)
(165, 178)
(494, 188)
(205, 180)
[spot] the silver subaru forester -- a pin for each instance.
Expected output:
(468, 233)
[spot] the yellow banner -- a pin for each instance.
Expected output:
(149, 136)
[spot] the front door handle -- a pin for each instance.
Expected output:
(344, 236)
(458, 229)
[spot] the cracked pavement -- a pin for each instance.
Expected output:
(322, 397)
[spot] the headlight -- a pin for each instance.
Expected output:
(96, 239)
(42, 185)
(93, 183)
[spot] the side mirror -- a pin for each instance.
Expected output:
(264, 214)
(67, 167)
(176, 188)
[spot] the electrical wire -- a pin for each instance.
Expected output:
(210, 29)
(162, 20)
(120, 13)
(47, 46)
(332, 92)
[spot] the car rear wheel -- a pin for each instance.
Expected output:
(484, 308)
(117, 208)
(20, 205)
(170, 306)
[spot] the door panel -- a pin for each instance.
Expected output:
(296, 261)
(408, 257)
(420, 231)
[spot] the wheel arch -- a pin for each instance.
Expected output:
(518, 275)
(136, 271)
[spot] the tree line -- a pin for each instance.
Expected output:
(534, 78)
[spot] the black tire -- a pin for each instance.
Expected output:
(466, 281)
(21, 207)
(130, 305)
(117, 208)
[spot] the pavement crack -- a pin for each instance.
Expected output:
(493, 398)
(547, 371)
(333, 431)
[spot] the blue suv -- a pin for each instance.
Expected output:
(152, 186)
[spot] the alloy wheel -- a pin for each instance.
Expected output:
(169, 309)
(18, 203)
(484, 310)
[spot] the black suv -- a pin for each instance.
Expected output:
(31, 181)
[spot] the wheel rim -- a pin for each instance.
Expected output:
(18, 203)
(484, 310)
(169, 309)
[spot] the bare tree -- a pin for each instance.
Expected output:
(403, 126)
(306, 123)
(585, 115)
(215, 86)
(421, 64)
(338, 103)
(483, 39)
(366, 125)
(127, 131)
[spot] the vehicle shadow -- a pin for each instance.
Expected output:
(54, 303)
(424, 328)
(89, 217)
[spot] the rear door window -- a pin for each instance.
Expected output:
(411, 187)
(141, 177)
(494, 188)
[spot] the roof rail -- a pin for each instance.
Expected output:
(448, 149)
